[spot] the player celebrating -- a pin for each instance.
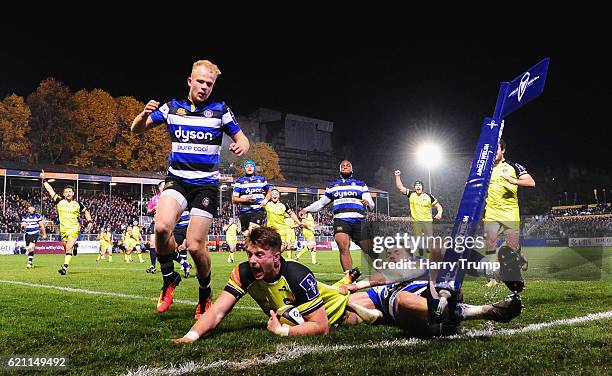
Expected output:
(273, 283)
(32, 224)
(275, 212)
(68, 211)
(420, 211)
(252, 193)
(350, 198)
(196, 128)
(502, 215)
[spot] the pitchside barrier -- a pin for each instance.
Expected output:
(89, 243)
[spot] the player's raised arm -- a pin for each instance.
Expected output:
(47, 186)
(398, 182)
(315, 323)
(143, 121)
(210, 319)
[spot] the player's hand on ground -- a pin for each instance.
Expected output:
(151, 106)
(182, 340)
(438, 216)
(348, 289)
(273, 323)
(397, 172)
(236, 148)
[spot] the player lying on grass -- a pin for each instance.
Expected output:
(274, 283)
(406, 299)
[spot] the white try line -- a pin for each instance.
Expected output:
(111, 294)
(293, 351)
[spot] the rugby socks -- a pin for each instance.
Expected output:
(205, 290)
(166, 263)
(153, 256)
(313, 256)
(181, 258)
(301, 253)
(30, 257)
(67, 258)
(469, 312)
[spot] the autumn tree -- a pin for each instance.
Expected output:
(265, 157)
(94, 117)
(51, 131)
(14, 126)
(146, 151)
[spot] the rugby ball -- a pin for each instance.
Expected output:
(289, 315)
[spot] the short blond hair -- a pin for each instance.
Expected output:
(208, 65)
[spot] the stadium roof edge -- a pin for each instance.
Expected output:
(11, 165)
(299, 187)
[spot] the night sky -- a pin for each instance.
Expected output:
(385, 91)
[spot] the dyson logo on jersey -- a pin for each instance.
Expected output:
(343, 194)
(253, 190)
(186, 136)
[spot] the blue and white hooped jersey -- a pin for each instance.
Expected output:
(184, 220)
(385, 297)
(32, 222)
(346, 195)
(256, 186)
(196, 134)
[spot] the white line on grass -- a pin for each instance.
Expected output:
(293, 351)
(111, 294)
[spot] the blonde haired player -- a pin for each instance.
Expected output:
(196, 127)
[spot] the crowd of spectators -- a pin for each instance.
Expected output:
(121, 209)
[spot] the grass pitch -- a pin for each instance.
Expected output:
(102, 316)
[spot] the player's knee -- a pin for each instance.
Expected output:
(163, 229)
(195, 245)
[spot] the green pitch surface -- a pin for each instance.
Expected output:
(102, 316)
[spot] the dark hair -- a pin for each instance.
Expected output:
(502, 143)
(266, 238)
(68, 187)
